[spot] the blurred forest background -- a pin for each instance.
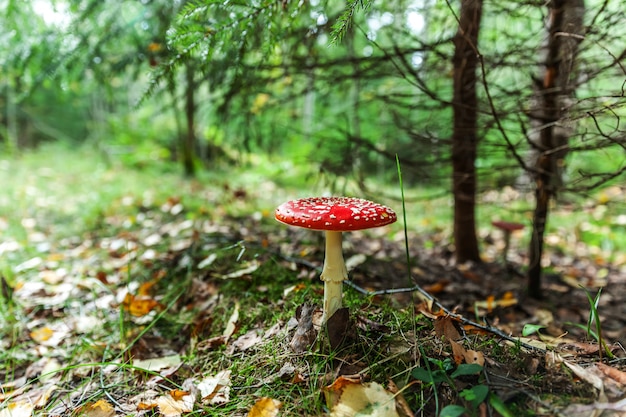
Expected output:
(470, 96)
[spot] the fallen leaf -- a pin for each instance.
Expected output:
(458, 352)
(245, 271)
(156, 364)
(585, 375)
(579, 348)
(446, 326)
(215, 389)
(49, 370)
(265, 407)
(426, 308)
(170, 407)
(145, 289)
(354, 261)
(340, 329)
(42, 334)
(100, 408)
(347, 397)
(139, 306)
(306, 333)
(178, 394)
(401, 405)
(437, 287)
(17, 409)
(473, 356)
(145, 406)
(491, 303)
(248, 340)
(210, 344)
(44, 395)
(208, 261)
(612, 373)
(231, 325)
(294, 288)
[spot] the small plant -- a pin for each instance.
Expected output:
(443, 371)
(594, 326)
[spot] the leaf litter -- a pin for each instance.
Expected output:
(147, 349)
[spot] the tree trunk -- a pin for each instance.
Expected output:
(553, 96)
(464, 137)
(189, 142)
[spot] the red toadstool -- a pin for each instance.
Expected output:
(507, 228)
(334, 215)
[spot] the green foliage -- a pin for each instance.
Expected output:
(343, 23)
(444, 372)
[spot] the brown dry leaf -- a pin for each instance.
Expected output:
(472, 356)
(445, 326)
(349, 397)
(579, 348)
(437, 287)
(426, 308)
(306, 333)
(265, 407)
(340, 329)
(248, 340)
(471, 329)
(458, 351)
(612, 373)
(402, 407)
(212, 343)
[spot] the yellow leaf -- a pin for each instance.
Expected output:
(347, 398)
(139, 306)
(42, 334)
(178, 394)
(17, 409)
(265, 407)
(169, 407)
(100, 408)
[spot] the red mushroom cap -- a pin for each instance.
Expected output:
(507, 226)
(340, 214)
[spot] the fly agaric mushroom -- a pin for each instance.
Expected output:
(507, 228)
(334, 215)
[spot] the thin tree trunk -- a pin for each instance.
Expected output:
(464, 137)
(189, 142)
(566, 25)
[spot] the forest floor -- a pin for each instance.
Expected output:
(135, 292)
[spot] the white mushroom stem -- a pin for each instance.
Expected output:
(333, 274)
